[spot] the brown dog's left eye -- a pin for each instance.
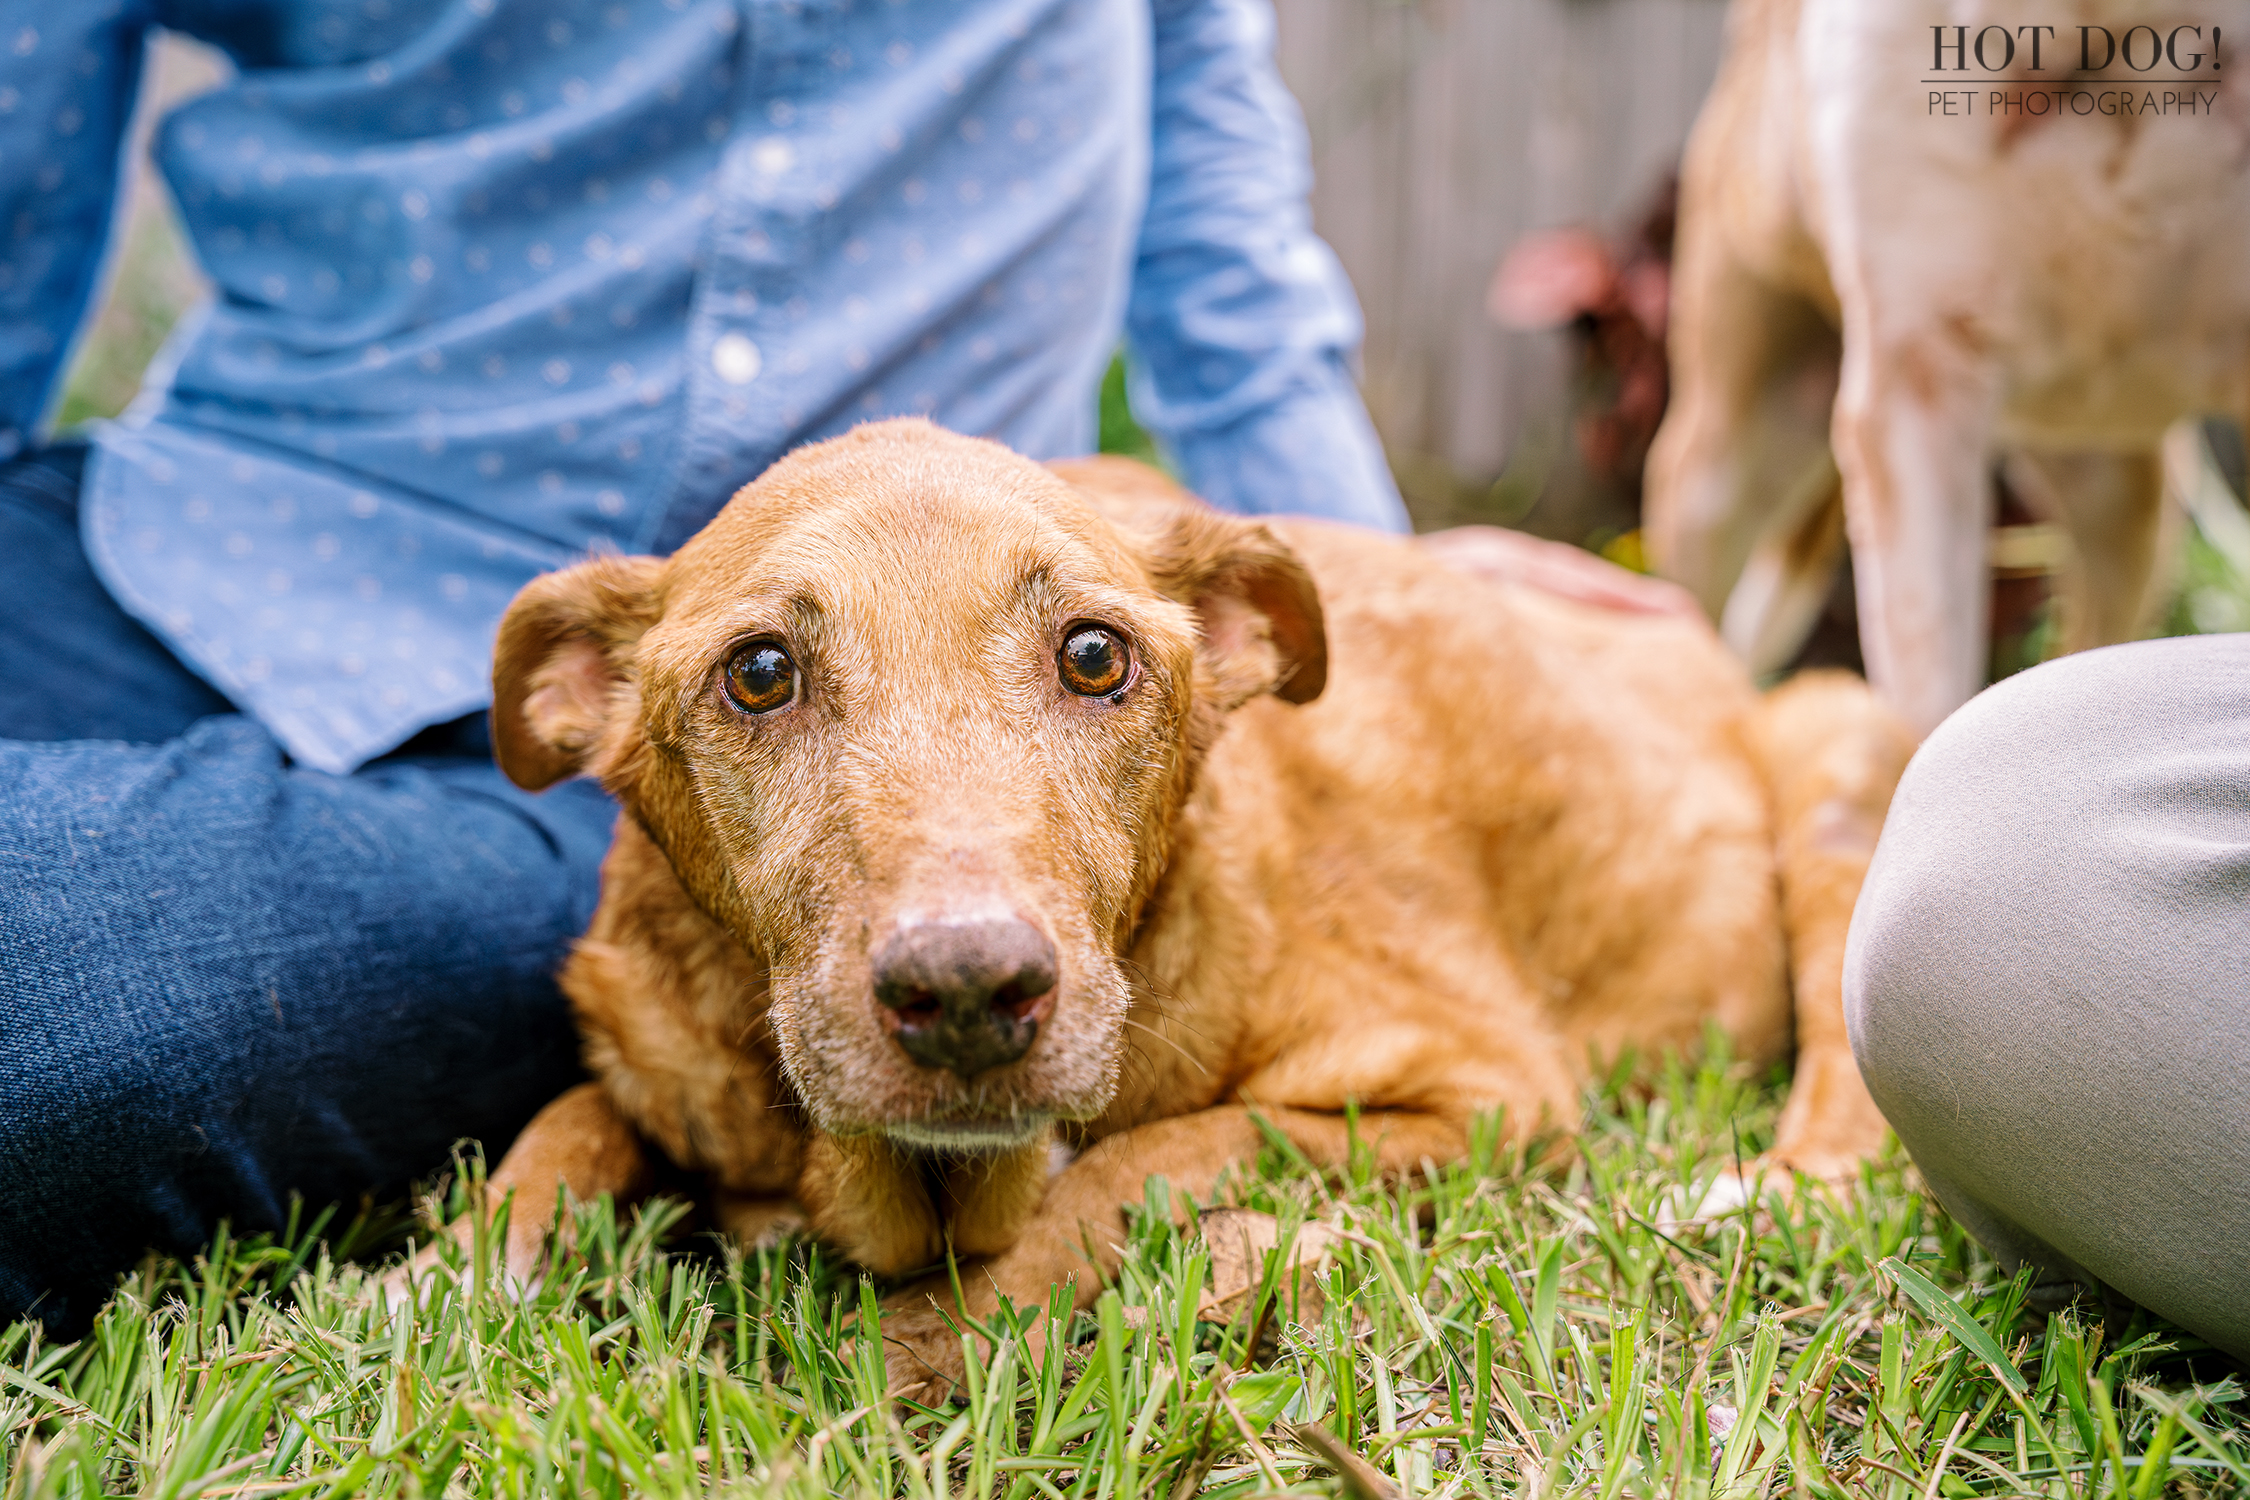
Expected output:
(1094, 661)
(761, 678)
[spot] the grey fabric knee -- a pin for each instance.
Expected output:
(2048, 977)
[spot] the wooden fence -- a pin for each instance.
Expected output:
(1442, 131)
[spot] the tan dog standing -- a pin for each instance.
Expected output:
(2058, 286)
(970, 804)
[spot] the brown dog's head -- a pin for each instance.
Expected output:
(913, 719)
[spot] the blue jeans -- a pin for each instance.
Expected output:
(225, 979)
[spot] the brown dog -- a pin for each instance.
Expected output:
(972, 804)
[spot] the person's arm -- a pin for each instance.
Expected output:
(69, 70)
(1242, 326)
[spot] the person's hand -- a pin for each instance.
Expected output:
(1499, 555)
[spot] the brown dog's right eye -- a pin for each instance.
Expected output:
(1094, 662)
(761, 678)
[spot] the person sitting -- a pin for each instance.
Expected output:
(499, 282)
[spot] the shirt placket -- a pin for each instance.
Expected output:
(751, 287)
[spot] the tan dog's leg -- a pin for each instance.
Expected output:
(1743, 447)
(1913, 440)
(1079, 1230)
(579, 1143)
(890, 1211)
(1786, 583)
(1832, 756)
(2113, 506)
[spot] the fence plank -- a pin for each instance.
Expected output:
(1442, 131)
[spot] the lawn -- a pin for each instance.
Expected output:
(1488, 1329)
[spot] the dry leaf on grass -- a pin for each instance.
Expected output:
(1239, 1240)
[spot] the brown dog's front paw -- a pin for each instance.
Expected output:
(864, 1197)
(402, 1284)
(517, 1273)
(922, 1355)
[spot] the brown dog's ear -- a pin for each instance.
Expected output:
(1263, 631)
(561, 655)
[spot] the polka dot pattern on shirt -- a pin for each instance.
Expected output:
(503, 280)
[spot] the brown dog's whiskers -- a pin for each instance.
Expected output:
(1163, 997)
(1161, 991)
(1192, 1060)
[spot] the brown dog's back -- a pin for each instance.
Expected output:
(1513, 796)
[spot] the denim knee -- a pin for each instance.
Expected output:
(225, 980)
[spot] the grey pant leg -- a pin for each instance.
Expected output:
(2048, 977)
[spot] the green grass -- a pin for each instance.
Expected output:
(1118, 430)
(1488, 1330)
(2213, 598)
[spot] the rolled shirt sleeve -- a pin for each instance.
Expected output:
(68, 73)
(1241, 324)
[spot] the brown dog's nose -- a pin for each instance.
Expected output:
(967, 995)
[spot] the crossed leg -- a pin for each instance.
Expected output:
(2045, 976)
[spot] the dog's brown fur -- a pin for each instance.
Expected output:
(1362, 831)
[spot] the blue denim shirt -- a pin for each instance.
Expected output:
(503, 280)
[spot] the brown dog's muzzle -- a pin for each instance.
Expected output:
(968, 996)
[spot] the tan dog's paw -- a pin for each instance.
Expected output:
(1835, 1172)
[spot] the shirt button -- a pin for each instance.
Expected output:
(735, 360)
